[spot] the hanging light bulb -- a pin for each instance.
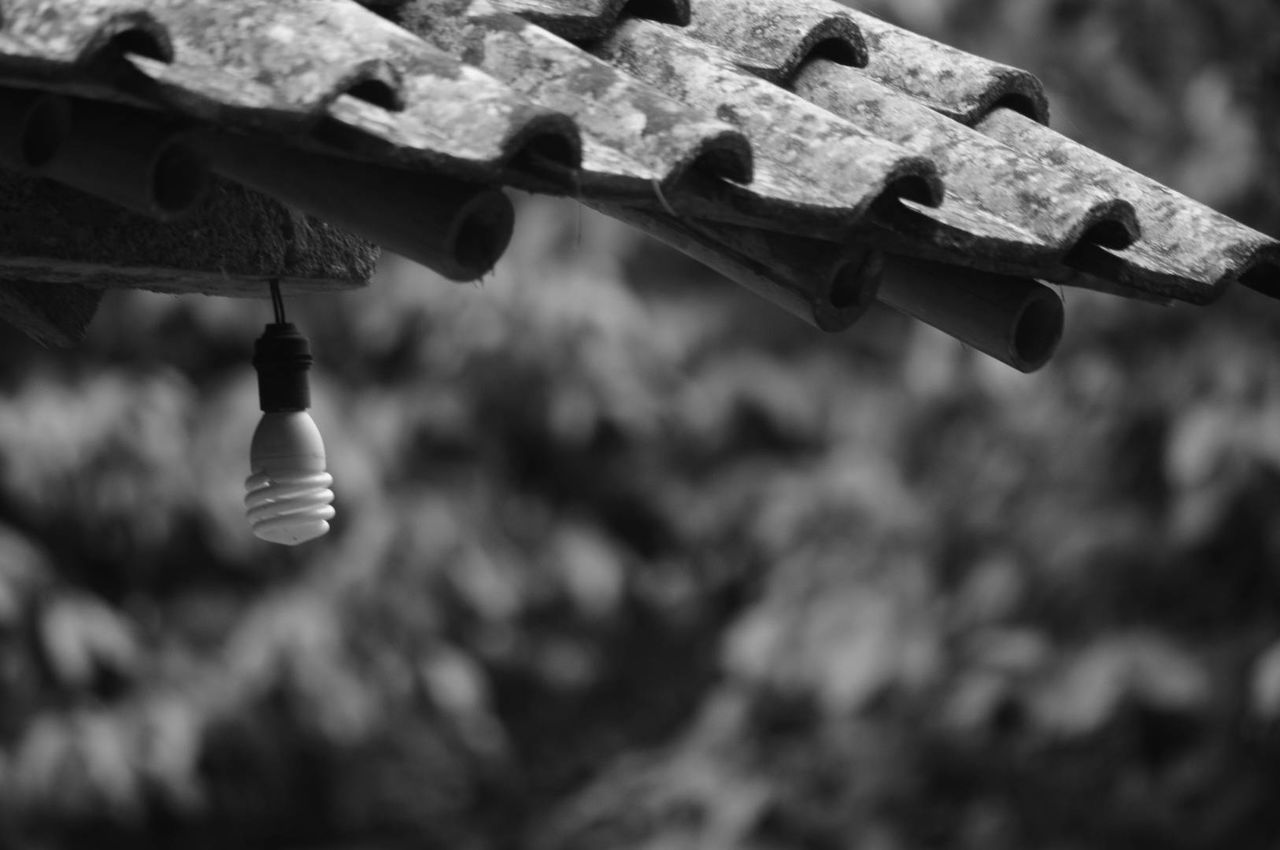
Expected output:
(287, 498)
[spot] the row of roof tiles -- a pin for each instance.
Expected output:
(756, 128)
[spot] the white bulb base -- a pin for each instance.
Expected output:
(289, 508)
(288, 499)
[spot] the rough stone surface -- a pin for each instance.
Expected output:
(632, 135)
(50, 35)
(808, 161)
(587, 20)
(54, 316)
(300, 53)
(1188, 251)
(957, 84)
(286, 67)
(308, 59)
(1049, 209)
(233, 245)
(772, 40)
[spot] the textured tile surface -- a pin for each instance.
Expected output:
(725, 123)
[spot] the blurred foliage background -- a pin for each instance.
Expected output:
(625, 559)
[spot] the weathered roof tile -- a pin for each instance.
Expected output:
(824, 167)
(632, 134)
(1187, 251)
(775, 139)
(773, 39)
(587, 20)
(48, 35)
(1047, 210)
(828, 284)
(957, 84)
(305, 52)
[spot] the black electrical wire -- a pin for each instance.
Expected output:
(277, 301)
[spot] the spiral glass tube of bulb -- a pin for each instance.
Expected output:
(288, 498)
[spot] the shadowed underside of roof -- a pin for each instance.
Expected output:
(778, 140)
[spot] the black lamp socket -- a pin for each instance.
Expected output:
(282, 357)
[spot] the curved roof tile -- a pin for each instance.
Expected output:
(730, 126)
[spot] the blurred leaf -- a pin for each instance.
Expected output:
(82, 638)
(1266, 684)
(1090, 687)
(591, 570)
